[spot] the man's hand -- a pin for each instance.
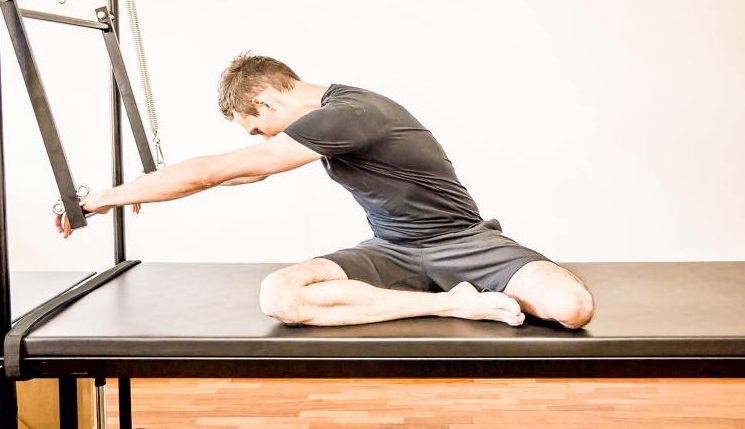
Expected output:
(88, 204)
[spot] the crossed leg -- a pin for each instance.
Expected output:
(318, 292)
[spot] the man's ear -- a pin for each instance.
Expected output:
(258, 101)
(265, 98)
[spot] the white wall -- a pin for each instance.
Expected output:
(594, 130)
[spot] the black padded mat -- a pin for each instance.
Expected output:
(29, 289)
(211, 310)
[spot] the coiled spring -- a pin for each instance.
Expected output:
(145, 79)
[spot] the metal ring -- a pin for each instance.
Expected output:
(58, 208)
(83, 190)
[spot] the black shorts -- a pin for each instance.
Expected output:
(480, 255)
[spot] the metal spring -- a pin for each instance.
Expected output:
(145, 79)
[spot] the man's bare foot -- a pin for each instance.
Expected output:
(475, 305)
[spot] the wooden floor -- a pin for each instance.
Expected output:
(433, 404)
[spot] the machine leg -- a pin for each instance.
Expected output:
(68, 403)
(100, 403)
(8, 404)
(125, 403)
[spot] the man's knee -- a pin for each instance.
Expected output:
(549, 291)
(276, 296)
(280, 295)
(575, 308)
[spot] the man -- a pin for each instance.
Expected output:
(432, 254)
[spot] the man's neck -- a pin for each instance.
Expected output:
(307, 97)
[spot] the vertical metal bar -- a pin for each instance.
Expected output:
(117, 178)
(125, 403)
(4, 262)
(100, 403)
(125, 388)
(68, 403)
(43, 113)
(125, 91)
(8, 402)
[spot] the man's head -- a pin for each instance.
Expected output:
(245, 80)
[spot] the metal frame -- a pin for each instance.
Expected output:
(8, 401)
(126, 95)
(121, 93)
(393, 367)
(63, 176)
(33, 14)
(43, 112)
(125, 398)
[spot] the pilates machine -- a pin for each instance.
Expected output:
(203, 320)
(70, 193)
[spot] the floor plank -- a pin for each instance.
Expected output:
(432, 404)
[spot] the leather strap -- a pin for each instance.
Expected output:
(14, 338)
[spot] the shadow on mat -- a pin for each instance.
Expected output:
(432, 327)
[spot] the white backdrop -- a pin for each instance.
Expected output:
(594, 130)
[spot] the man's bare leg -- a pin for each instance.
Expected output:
(551, 292)
(318, 292)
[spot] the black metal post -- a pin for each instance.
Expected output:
(68, 403)
(8, 402)
(120, 251)
(125, 386)
(125, 403)
(100, 403)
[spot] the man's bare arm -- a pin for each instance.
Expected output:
(279, 154)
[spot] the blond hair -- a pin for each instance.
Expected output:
(248, 75)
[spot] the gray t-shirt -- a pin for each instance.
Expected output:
(390, 162)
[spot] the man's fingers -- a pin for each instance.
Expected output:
(66, 226)
(62, 222)
(58, 222)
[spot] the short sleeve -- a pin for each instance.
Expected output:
(337, 128)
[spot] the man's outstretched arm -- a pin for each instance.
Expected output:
(278, 154)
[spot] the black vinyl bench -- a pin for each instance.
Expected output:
(203, 320)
